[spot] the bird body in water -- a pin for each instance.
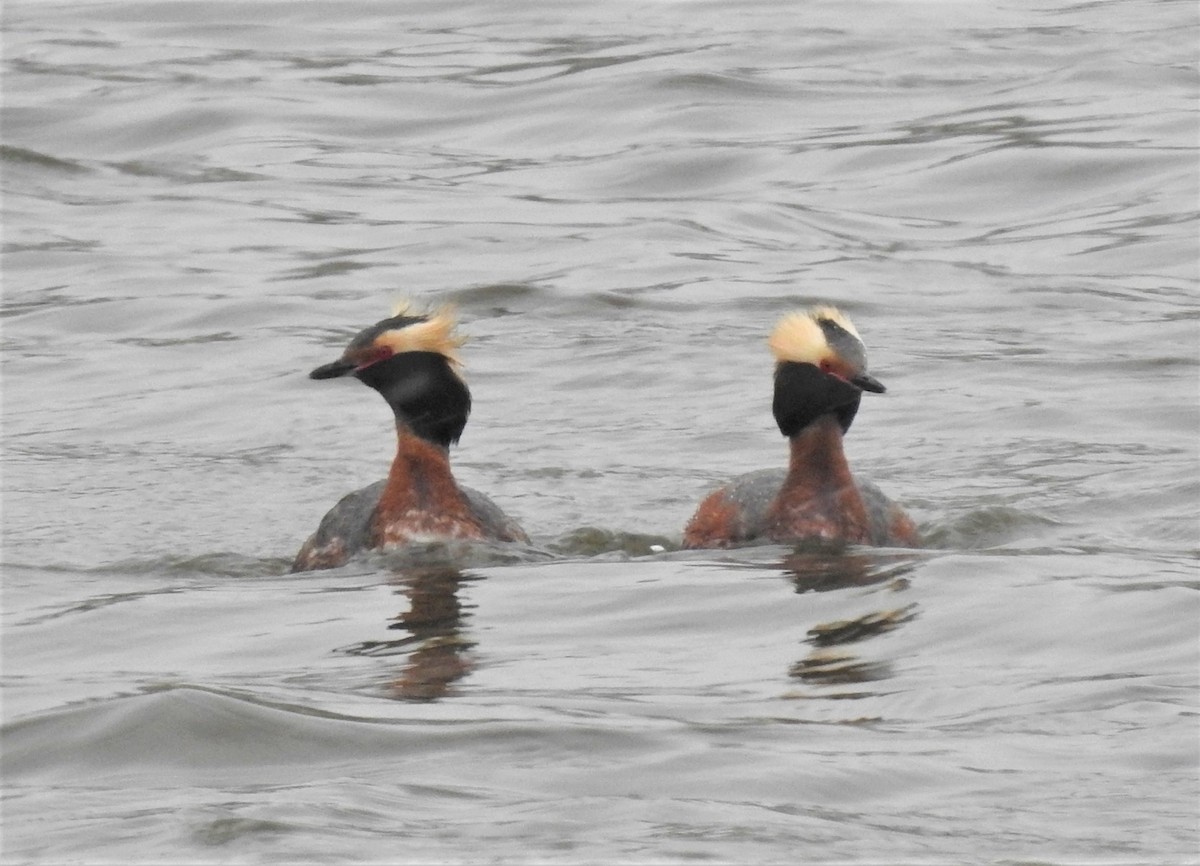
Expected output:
(412, 361)
(820, 375)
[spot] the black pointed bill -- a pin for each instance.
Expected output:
(340, 367)
(868, 383)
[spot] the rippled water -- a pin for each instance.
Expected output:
(203, 200)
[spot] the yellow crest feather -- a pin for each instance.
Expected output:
(799, 338)
(435, 334)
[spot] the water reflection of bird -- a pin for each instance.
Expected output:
(820, 375)
(436, 621)
(410, 359)
(434, 645)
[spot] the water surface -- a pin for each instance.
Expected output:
(203, 201)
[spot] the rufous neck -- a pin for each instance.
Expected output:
(817, 459)
(819, 497)
(420, 476)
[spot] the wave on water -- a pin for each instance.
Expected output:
(189, 729)
(827, 565)
(987, 527)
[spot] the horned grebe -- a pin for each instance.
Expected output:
(412, 360)
(820, 374)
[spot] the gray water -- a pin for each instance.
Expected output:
(203, 201)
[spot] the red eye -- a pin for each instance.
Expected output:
(828, 368)
(373, 355)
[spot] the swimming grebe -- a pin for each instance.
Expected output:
(820, 374)
(412, 360)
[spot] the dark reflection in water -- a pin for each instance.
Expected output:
(821, 568)
(850, 630)
(434, 645)
(435, 620)
(838, 669)
(825, 569)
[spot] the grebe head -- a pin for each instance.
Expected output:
(820, 367)
(412, 360)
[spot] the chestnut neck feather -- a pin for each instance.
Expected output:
(819, 497)
(421, 489)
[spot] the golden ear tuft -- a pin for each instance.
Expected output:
(434, 334)
(798, 336)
